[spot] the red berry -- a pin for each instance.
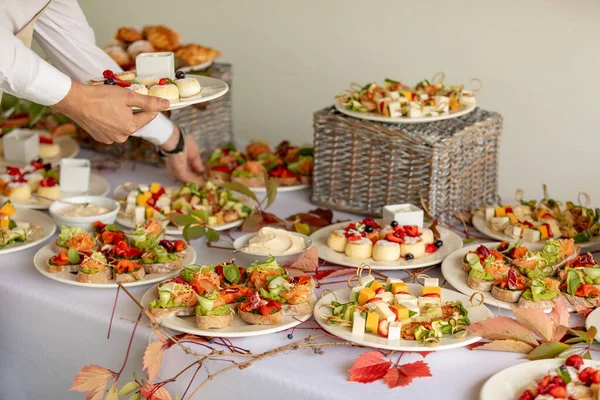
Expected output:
(574, 361)
(542, 385)
(527, 395)
(585, 376)
(557, 380)
(48, 182)
(123, 83)
(596, 377)
(108, 74)
(12, 171)
(163, 81)
(382, 329)
(558, 392)
(430, 248)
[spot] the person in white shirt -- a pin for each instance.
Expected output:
(104, 111)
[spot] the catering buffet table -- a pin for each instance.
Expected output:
(49, 330)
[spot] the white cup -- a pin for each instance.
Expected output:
(161, 64)
(404, 214)
(21, 146)
(75, 175)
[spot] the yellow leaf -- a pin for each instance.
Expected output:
(92, 379)
(153, 359)
(513, 346)
(535, 320)
(112, 394)
(302, 228)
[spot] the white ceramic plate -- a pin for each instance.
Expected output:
(40, 258)
(281, 189)
(454, 273)
(128, 222)
(69, 148)
(197, 67)
(481, 225)
(593, 319)
(237, 328)
(99, 186)
(34, 218)
(511, 382)
(451, 241)
(401, 120)
(476, 314)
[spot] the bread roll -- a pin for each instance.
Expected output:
(49, 150)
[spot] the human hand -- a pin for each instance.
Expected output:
(187, 165)
(105, 112)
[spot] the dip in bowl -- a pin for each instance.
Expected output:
(83, 211)
(287, 247)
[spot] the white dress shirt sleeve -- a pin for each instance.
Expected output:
(69, 42)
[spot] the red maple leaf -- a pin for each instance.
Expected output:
(403, 375)
(151, 392)
(369, 367)
(424, 353)
(324, 273)
(309, 262)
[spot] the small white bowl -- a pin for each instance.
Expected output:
(86, 223)
(246, 259)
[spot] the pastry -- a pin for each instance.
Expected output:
(385, 250)
(139, 46)
(126, 75)
(414, 246)
(147, 80)
(33, 179)
(49, 150)
(168, 91)
(118, 54)
(361, 248)
(49, 188)
(18, 191)
(188, 87)
(162, 37)
(138, 88)
(128, 34)
(337, 240)
(194, 54)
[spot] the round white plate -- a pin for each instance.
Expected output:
(451, 241)
(128, 222)
(454, 273)
(237, 328)
(99, 186)
(69, 148)
(197, 67)
(511, 382)
(281, 189)
(481, 225)
(211, 89)
(37, 218)
(476, 314)
(593, 319)
(401, 120)
(40, 258)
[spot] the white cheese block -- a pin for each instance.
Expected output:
(428, 110)
(393, 280)
(467, 98)
(23, 224)
(130, 208)
(384, 312)
(144, 188)
(132, 197)
(163, 202)
(387, 297)
(401, 298)
(499, 222)
(366, 280)
(429, 301)
(372, 306)
(429, 282)
(140, 215)
(395, 108)
(531, 235)
(394, 330)
(394, 95)
(415, 111)
(490, 212)
(358, 325)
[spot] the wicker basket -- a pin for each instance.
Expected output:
(360, 165)
(211, 124)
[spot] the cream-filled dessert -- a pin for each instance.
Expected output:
(276, 242)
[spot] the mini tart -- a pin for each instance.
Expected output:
(126, 75)
(49, 150)
(52, 192)
(414, 246)
(138, 88)
(168, 91)
(360, 249)
(18, 191)
(187, 87)
(337, 240)
(33, 179)
(147, 80)
(384, 250)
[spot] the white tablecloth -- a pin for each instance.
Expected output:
(49, 330)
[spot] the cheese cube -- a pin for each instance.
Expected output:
(149, 213)
(392, 280)
(500, 212)
(429, 301)
(414, 111)
(143, 188)
(384, 312)
(402, 312)
(140, 215)
(358, 325)
(531, 235)
(365, 295)
(4, 222)
(132, 197)
(395, 330)
(499, 222)
(431, 282)
(394, 95)
(513, 218)
(399, 287)
(163, 202)
(23, 225)
(428, 110)
(490, 212)
(401, 298)
(517, 230)
(395, 108)
(374, 285)
(407, 95)
(424, 96)
(154, 188)
(432, 290)
(388, 297)
(367, 280)
(372, 322)
(130, 208)
(543, 231)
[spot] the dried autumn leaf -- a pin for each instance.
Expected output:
(513, 346)
(309, 262)
(329, 273)
(271, 187)
(369, 367)
(153, 359)
(424, 353)
(112, 393)
(404, 374)
(547, 350)
(92, 379)
(560, 318)
(253, 222)
(536, 321)
(499, 328)
(302, 228)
